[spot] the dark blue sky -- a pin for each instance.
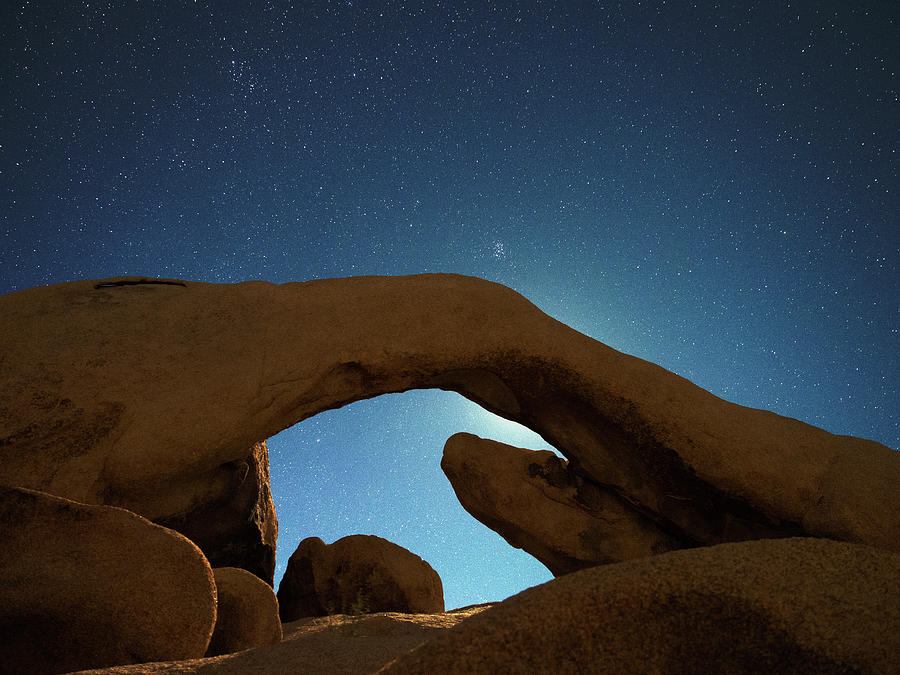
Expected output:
(712, 188)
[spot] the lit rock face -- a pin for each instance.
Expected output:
(147, 395)
(538, 502)
(89, 586)
(246, 612)
(358, 574)
(777, 606)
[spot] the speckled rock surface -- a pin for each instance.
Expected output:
(771, 606)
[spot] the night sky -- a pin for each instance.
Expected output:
(710, 187)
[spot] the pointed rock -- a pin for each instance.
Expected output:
(539, 503)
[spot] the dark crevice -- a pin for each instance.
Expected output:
(139, 282)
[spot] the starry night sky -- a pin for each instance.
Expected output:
(711, 188)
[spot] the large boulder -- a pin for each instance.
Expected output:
(90, 586)
(246, 615)
(147, 394)
(356, 575)
(538, 502)
(774, 606)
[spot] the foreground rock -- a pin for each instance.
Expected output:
(539, 503)
(89, 586)
(788, 605)
(147, 395)
(246, 613)
(783, 606)
(358, 574)
(336, 645)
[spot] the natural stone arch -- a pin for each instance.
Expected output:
(147, 394)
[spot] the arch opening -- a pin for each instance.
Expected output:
(373, 467)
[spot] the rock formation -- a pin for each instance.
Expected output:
(357, 575)
(89, 586)
(146, 394)
(156, 396)
(246, 613)
(537, 502)
(786, 605)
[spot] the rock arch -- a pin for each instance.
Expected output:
(151, 396)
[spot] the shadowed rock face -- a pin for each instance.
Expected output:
(235, 526)
(147, 396)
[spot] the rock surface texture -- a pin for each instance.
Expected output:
(146, 394)
(782, 606)
(246, 612)
(336, 645)
(89, 586)
(785, 606)
(535, 501)
(358, 574)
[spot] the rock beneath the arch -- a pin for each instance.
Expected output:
(90, 586)
(246, 612)
(358, 574)
(230, 515)
(785, 605)
(538, 502)
(147, 394)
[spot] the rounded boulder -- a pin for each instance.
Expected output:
(796, 605)
(85, 586)
(357, 574)
(247, 612)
